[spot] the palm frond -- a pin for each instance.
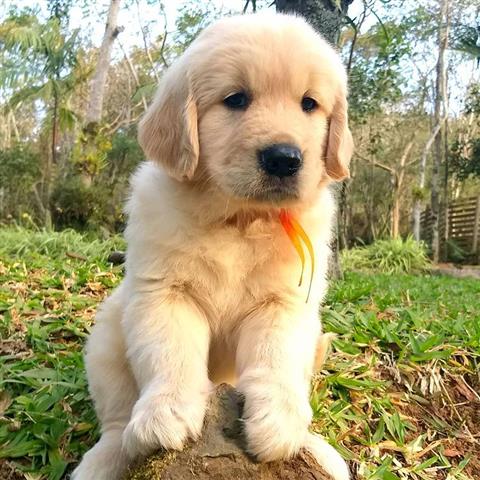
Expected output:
(67, 118)
(29, 93)
(22, 32)
(467, 40)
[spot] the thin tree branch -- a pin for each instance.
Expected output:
(356, 28)
(429, 143)
(134, 73)
(406, 153)
(164, 39)
(145, 44)
(247, 3)
(38, 198)
(376, 164)
(114, 126)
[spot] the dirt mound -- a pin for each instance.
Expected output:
(218, 454)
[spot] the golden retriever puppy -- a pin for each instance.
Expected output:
(250, 122)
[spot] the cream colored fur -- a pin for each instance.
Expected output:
(211, 291)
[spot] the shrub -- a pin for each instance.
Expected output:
(75, 205)
(19, 171)
(388, 256)
(455, 252)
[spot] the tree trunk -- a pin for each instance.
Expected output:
(417, 207)
(446, 147)
(343, 237)
(51, 163)
(440, 93)
(324, 15)
(396, 217)
(446, 199)
(93, 116)
(99, 80)
(399, 177)
(11, 121)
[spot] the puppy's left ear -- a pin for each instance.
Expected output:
(168, 131)
(340, 141)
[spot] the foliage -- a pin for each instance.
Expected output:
(405, 345)
(19, 171)
(84, 207)
(192, 18)
(376, 73)
(391, 257)
(54, 54)
(90, 151)
(125, 153)
(46, 62)
(18, 165)
(420, 194)
(49, 58)
(464, 155)
(465, 158)
(455, 252)
(472, 100)
(466, 39)
(97, 205)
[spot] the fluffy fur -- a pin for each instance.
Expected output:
(211, 291)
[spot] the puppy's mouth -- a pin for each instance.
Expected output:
(277, 194)
(263, 190)
(275, 190)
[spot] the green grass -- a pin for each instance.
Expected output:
(398, 395)
(47, 303)
(403, 382)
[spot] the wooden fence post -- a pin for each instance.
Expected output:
(476, 227)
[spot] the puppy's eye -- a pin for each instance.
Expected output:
(236, 101)
(309, 104)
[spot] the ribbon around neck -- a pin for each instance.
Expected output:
(297, 235)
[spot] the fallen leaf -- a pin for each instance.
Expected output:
(451, 452)
(5, 401)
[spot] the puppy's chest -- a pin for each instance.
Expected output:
(234, 255)
(225, 262)
(230, 271)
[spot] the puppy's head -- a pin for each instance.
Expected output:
(256, 107)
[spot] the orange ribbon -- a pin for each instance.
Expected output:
(297, 235)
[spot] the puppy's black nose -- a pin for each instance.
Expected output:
(280, 160)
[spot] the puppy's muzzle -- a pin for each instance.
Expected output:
(280, 160)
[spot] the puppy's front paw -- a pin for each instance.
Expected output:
(162, 421)
(276, 421)
(105, 461)
(327, 457)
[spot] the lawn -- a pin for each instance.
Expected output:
(398, 395)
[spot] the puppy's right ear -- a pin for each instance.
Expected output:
(168, 131)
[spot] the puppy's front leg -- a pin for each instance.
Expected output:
(167, 345)
(274, 362)
(275, 359)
